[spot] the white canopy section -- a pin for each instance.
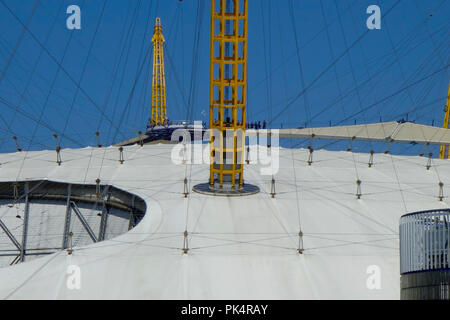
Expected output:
(406, 132)
(238, 247)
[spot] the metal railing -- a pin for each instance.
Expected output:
(424, 241)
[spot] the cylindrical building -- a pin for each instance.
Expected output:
(425, 255)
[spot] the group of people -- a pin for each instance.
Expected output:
(256, 125)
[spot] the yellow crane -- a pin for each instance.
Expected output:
(443, 154)
(159, 112)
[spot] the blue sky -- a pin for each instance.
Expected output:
(77, 82)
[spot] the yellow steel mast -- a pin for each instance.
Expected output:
(228, 93)
(159, 112)
(443, 154)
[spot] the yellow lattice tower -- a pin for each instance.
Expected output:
(443, 154)
(228, 80)
(159, 112)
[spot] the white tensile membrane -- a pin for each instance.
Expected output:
(236, 247)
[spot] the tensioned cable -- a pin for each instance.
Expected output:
(302, 92)
(301, 47)
(117, 60)
(292, 150)
(16, 46)
(267, 60)
(131, 95)
(127, 47)
(56, 61)
(99, 21)
(426, 24)
(141, 53)
(179, 84)
(16, 108)
(351, 68)
(398, 92)
(413, 35)
(330, 47)
(375, 74)
(380, 71)
(22, 95)
(42, 111)
(299, 60)
(19, 41)
(195, 60)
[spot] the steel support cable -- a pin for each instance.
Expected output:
(398, 91)
(9, 132)
(267, 60)
(341, 26)
(366, 67)
(141, 52)
(145, 85)
(189, 199)
(143, 97)
(19, 41)
(76, 39)
(349, 117)
(174, 20)
(177, 80)
(286, 99)
(173, 71)
(42, 111)
(245, 242)
(425, 93)
(182, 45)
(349, 243)
(131, 95)
(117, 59)
(426, 24)
(127, 47)
(56, 61)
(330, 47)
(301, 47)
(422, 67)
(302, 92)
(402, 73)
(412, 34)
(364, 57)
(399, 64)
(380, 71)
(399, 184)
(195, 60)
(299, 60)
(50, 259)
(198, 21)
(276, 215)
(283, 63)
(341, 141)
(27, 115)
(348, 211)
(173, 76)
(13, 52)
(6, 67)
(366, 81)
(75, 96)
(22, 95)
